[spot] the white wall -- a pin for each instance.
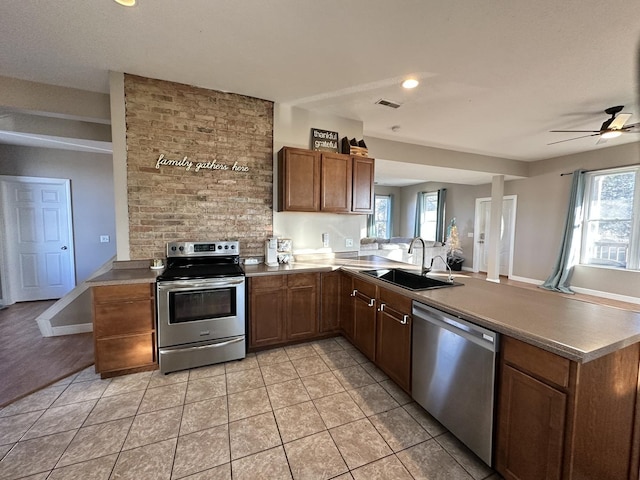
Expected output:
(92, 199)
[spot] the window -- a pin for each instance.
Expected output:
(611, 227)
(430, 210)
(428, 215)
(380, 221)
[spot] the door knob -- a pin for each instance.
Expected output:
(64, 247)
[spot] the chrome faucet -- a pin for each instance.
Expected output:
(423, 270)
(450, 279)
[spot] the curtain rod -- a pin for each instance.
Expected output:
(605, 168)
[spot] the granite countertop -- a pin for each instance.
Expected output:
(572, 328)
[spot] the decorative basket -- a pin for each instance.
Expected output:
(360, 151)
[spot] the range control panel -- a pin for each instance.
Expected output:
(202, 249)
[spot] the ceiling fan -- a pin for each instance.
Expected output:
(611, 128)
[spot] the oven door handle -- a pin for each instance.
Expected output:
(166, 351)
(191, 285)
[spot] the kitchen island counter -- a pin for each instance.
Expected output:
(574, 329)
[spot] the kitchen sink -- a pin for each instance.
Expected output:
(409, 280)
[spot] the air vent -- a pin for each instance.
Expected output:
(388, 103)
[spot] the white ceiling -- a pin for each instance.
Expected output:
(495, 76)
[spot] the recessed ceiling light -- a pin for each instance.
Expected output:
(410, 83)
(126, 3)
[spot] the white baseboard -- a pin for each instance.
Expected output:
(44, 320)
(45, 327)
(526, 280)
(72, 329)
(611, 296)
(584, 291)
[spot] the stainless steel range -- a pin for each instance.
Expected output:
(200, 300)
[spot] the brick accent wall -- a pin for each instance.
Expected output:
(212, 128)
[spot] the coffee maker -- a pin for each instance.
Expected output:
(271, 252)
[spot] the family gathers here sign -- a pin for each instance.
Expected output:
(197, 166)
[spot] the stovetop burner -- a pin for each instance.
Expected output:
(200, 260)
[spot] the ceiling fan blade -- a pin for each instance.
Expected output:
(575, 138)
(631, 128)
(619, 121)
(575, 131)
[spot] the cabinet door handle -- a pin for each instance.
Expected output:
(393, 314)
(354, 293)
(372, 302)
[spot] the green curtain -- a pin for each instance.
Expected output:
(569, 254)
(371, 224)
(442, 198)
(419, 210)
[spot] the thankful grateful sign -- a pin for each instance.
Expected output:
(197, 166)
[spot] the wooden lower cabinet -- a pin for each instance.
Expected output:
(330, 301)
(364, 317)
(378, 322)
(267, 298)
(302, 306)
(124, 329)
(558, 419)
(283, 308)
(393, 347)
(532, 415)
(346, 306)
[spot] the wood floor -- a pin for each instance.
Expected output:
(28, 361)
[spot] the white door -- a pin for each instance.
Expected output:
(38, 247)
(507, 232)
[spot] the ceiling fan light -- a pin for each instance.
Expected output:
(126, 3)
(611, 134)
(410, 83)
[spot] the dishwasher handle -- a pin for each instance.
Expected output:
(474, 333)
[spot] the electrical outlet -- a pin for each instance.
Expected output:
(325, 240)
(470, 234)
(348, 242)
(104, 238)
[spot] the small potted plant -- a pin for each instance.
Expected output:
(454, 251)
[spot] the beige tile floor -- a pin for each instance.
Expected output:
(318, 410)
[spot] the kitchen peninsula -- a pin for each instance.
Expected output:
(567, 369)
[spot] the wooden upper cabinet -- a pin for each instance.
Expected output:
(362, 192)
(335, 189)
(298, 180)
(310, 181)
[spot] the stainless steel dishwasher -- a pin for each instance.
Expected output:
(453, 375)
